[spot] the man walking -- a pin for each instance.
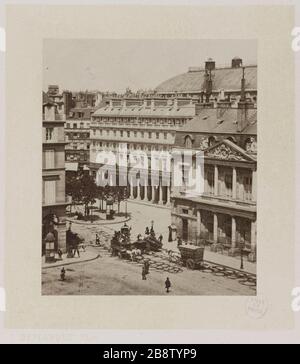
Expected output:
(97, 239)
(144, 274)
(168, 284)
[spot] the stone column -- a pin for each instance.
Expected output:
(234, 183)
(215, 233)
(160, 188)
(153, 194)
(131, 189)
(216, 180)
(252, 255)
(198, 224)
(254, 185)
(215, 228)
(233, 248)
(168, 195)
(138, 190)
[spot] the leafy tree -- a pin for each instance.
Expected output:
(120, 194)
(88, 191)
(73, 189)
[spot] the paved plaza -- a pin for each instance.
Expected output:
(108, 275)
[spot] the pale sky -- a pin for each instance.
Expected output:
(113, 65)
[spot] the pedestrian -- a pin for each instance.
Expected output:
(147, 231)
(62, 274)
(160, 238)
(168, 284)
(97, 239)
(146, 266)
(170, 234)
(144, 274)
(60, 253)
(179, 241)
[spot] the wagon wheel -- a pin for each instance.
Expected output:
(190, 264)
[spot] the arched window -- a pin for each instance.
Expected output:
(211, 141)
(188, 142)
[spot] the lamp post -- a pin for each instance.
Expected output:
(152, 224)
(242, 245)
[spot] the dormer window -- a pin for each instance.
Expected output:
(188, 142)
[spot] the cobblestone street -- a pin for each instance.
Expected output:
(112, 276)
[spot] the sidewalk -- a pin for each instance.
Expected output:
(148, 203)
(84, 257)
(232, 262)
(99, 222)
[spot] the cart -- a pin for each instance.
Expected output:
(148, 244)
(192, 256)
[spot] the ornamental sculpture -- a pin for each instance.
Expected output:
(224, 152)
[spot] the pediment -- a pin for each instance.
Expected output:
(227, 150)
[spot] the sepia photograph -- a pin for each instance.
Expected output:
(149, 171)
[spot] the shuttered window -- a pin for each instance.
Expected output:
(50, 191)
(49, 159)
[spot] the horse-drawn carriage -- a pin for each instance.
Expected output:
(123, 247)
(190, 256)
(120, 243)
(148, 243)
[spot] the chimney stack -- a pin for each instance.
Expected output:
(208, 86)
(243, 106)
(243, 87)
(236, 62)
(210, 64)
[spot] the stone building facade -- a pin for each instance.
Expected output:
(53, 175)
(224, 216)
(144, 126)
(77, 132)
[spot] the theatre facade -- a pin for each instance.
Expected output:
(224, 216)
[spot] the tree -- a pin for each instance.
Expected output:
(100, 196)
(88, 191)
(120, 195)
(73, 189)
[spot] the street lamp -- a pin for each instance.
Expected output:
(242, 245)
(152, 230)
